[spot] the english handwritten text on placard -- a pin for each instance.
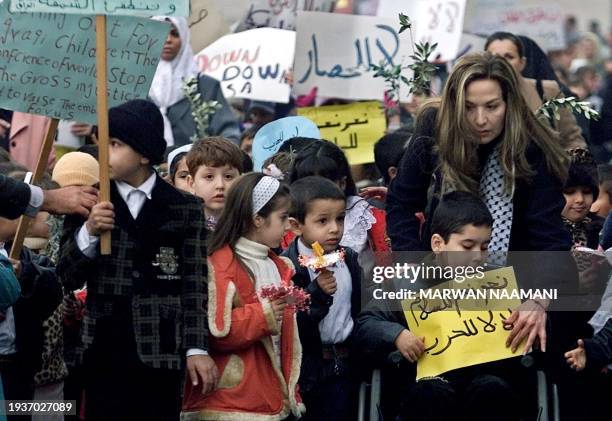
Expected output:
(106, 7)
(48, 62)
(251, 64)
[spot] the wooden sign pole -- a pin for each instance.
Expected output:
(102, 106)
(41, 166)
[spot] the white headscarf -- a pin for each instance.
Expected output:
(166, 87)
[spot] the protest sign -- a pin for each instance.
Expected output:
(206, 24)
(438, 21)
(541, 21)
(48, 62)
(106, 7)
(353, 127)
(336, 52)
(456, 337)
(271, 137)
(280, 14)
(251, 64)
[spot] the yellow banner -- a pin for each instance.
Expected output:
(463, 332)
(354, 127)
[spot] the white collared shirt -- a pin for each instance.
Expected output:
(337, 325)
(135, 198)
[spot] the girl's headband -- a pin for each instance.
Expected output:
(264, 190)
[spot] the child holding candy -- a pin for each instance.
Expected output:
(248, 331)
(332, 276)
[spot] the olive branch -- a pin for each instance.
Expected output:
(550, 109)
(422, 69)
(202, 111)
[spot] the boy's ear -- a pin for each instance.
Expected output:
(392, 172)
(145, 161)
(437, 243)
(296, 227)
(190, 181)
(342, 183)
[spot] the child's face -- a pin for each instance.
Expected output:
(211, 184)
(324, 223)
(578, 201)
(270, 230)
(468, 247)
(247, 146)
(181, 177)
(602, 206)
(125, 163)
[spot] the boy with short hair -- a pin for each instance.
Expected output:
(317, 215)
(214, 164)
(145, 314)
(461, 227)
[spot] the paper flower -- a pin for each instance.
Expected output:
(321, 260)
(295, 297)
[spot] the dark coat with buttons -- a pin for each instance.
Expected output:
(150, 293)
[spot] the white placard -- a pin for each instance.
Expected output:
(438, 21)
(335, 52)
(280, 14)
(541, 21)
(251, 64)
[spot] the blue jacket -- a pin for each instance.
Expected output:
(10, 290)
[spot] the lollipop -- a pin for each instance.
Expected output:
(320, 260)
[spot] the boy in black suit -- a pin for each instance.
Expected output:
(145, 318)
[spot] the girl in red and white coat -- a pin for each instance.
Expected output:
(254, 341)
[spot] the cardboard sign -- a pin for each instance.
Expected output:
(251, 64)
(456, 337)
(438, 21)
(206, 24)
(270, 137)
(541, 21)
(280, 14)
(106, 7)
(48, 62)
(354, 127)
(335, 53)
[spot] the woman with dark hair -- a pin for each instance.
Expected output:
(539, 90)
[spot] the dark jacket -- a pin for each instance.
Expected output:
(14, 197)
(223, 122)
(308, 322)
(599, 348)
(537, 206)
(41, 293)
(152, 288)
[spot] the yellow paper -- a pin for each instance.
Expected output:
(457, 333)
(354, 127)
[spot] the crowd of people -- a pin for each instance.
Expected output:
(184, 317)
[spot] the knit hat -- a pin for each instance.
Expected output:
(582, 171)
(76, 169)
(139, 123)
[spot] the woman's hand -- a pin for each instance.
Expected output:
(528, 321)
